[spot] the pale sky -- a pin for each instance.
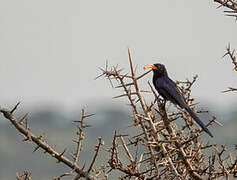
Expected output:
(51, 49)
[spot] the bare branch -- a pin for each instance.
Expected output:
(23, 176)
(229, 4)
(42, 144)
(170, 151)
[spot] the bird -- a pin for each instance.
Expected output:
(168, 89)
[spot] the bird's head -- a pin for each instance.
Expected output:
(158, 69)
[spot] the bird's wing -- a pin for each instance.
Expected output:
(170, 91)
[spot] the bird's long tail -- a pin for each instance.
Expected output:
(194, 116)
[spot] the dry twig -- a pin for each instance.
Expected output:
(169, 151)
(41, 143)
(231, 53)
(229, 4)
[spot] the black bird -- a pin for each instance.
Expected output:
(169, 91)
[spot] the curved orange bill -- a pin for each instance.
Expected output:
(152, 66)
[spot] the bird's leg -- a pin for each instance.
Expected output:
(164, 102)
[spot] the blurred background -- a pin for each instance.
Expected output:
(51, 52)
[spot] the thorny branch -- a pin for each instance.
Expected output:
(41, 143)
(229, 4)
(230, 89)
(167, 150)
(231, 53)
(23, 176)
(161, 147)
(81, 135)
